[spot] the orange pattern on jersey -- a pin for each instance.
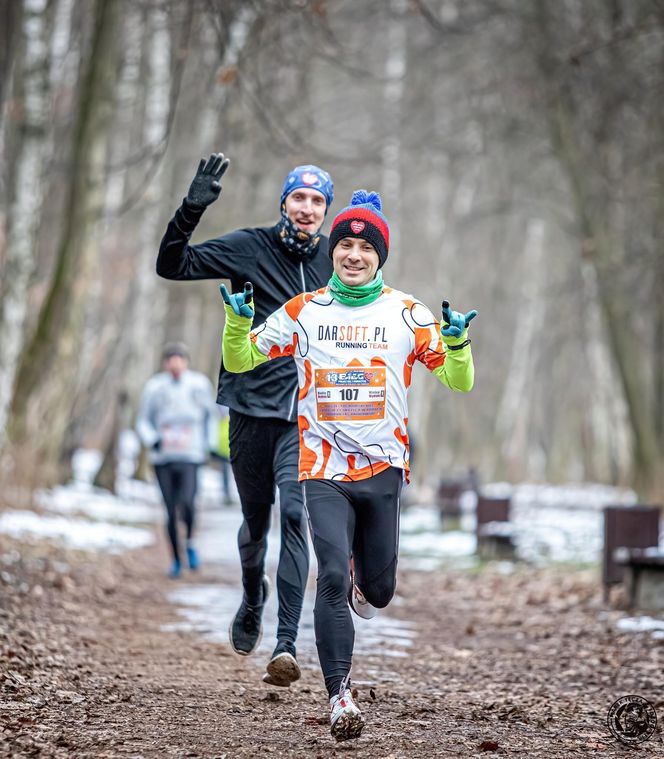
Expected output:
(289, 350)
(307, 380)
(408, 368)
(307, 455)
(378, 361)
(363, 473)
(432, 358)
(296, 304)
(327, 450)
(355, 362)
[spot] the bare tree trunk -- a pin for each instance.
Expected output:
(108, 472)
(135, 348)
(625, 354)
(395, 73)
(658, 332)
(593, 206)
(601, 246)
(49, 361)
(25, 194)
(11, 11)
(609, 449)
(188, 306)
(513, 417)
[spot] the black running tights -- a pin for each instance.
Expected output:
(361, 519)
(178, 480)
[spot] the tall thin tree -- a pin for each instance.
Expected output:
(41, 402)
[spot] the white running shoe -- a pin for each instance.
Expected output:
(345, 718)
(359, 604)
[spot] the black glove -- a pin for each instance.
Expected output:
(206, 185)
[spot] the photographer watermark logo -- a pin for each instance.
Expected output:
(632, 719)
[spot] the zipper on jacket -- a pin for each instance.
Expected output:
(304, 287)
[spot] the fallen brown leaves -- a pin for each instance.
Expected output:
(523, 665)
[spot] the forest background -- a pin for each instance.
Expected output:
(518, 148)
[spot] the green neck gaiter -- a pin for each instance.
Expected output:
(356, 296)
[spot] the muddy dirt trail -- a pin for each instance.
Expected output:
(93, 663)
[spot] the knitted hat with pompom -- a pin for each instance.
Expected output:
(363, 218)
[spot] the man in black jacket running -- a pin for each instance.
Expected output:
(281, 261)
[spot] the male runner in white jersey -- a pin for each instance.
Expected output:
(354, 343)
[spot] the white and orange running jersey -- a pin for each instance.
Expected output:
(354, 368)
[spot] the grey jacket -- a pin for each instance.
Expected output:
(177, 419)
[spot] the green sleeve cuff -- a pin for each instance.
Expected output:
(449, 340)
(239, 353)
(458, 371)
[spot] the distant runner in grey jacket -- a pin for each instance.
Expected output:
(177, 422)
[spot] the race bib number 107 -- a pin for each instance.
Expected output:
(350, 394)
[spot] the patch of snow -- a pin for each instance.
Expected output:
(640, 624)
(85, 464)
(97, 504)
(75, 533)
(418, 518)
(209, 609)
(437, 544)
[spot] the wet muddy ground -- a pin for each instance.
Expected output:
(95, 661)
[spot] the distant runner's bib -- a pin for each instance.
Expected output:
(350, 394)
(177, 438)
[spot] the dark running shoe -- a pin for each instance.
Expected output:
(282, 669)
(246, 629)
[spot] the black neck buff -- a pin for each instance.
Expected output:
(302, 244)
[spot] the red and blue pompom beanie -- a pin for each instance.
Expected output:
(363, 218)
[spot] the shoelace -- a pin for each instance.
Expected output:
(344, 685)
(251, 620)
(252, 616)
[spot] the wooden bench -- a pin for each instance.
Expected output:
(643, 576)
(450, 490)
(448, 498)
(495, 533)
(630, 527)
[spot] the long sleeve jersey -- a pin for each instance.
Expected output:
(354, 368)
(179, 414)
(258, 256)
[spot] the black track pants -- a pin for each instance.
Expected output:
(178, 481)
(264, 453)
(361, 519)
